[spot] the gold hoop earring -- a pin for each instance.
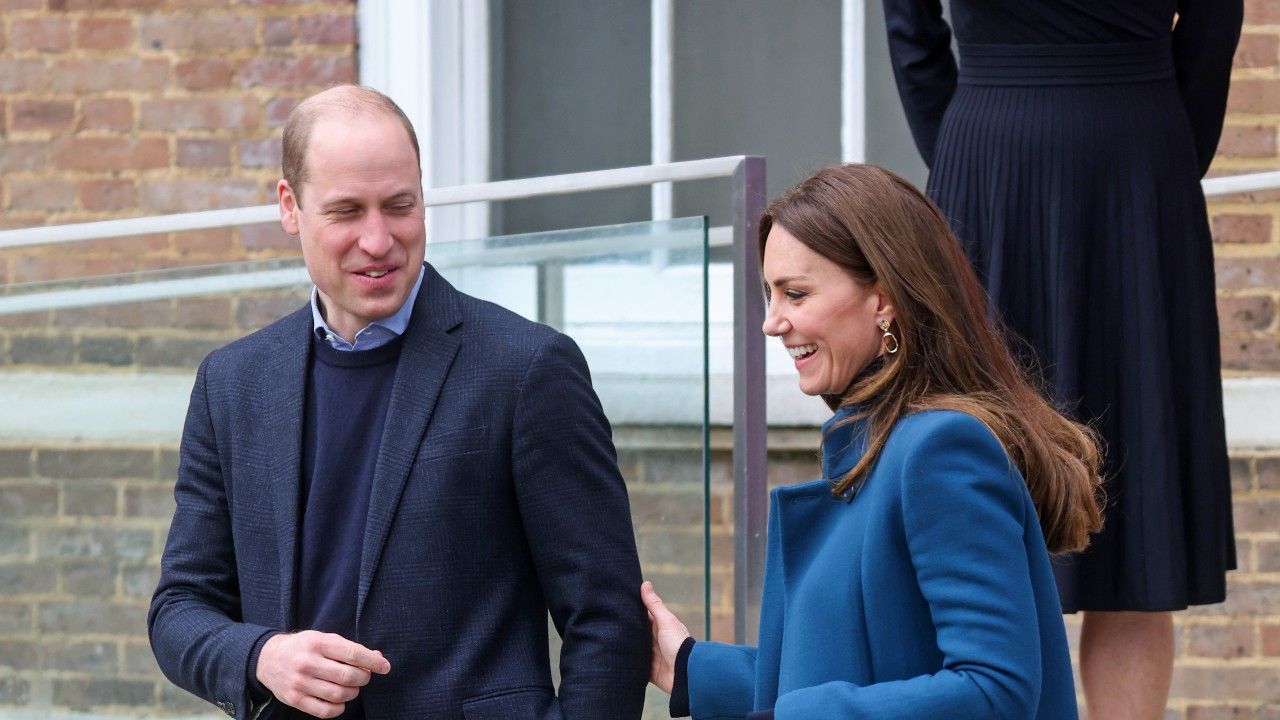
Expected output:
(890, 340)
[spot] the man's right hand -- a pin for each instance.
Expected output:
(317, 673)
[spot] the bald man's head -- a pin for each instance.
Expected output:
(353, 101)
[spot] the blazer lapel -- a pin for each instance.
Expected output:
(282, 395)
(425, 358)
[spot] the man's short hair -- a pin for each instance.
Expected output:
(353, 99)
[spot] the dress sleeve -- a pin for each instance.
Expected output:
(965, 515)
(1204, 42)
(925, 69)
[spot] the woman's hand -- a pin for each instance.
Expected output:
(668, 634)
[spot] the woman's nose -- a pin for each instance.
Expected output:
(774, 324)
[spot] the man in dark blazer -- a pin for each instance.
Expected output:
(381, 495)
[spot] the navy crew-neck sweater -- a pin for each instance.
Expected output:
(347, 398)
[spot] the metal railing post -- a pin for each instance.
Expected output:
(750, 488)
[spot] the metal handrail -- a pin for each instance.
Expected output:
(480, 192)
(1248, 182)
(432, 197)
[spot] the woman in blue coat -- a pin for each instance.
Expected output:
(913, 579)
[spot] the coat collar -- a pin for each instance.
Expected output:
(844, 441)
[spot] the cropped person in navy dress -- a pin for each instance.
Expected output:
(913, 580)
(1066, 149)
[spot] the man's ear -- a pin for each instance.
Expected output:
(289, 207)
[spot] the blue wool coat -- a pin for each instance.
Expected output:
(929, 595)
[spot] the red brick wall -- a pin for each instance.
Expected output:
(135, 107)
(1245, 229)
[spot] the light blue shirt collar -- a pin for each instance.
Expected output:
(376, 333)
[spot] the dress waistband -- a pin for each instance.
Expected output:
(1079, 64)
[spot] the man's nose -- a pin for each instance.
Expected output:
(375, 235)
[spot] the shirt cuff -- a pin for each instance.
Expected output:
(680, 683)
(257, 691)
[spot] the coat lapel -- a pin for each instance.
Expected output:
(282, 395)
(425, 358)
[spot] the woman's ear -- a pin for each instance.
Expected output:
(884, 306)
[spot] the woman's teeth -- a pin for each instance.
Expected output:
(800, 351)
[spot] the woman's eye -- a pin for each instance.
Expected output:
(795, 294)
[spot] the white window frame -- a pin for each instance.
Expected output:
(432, 58)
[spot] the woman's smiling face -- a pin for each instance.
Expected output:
(823, 315)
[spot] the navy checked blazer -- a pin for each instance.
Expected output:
(496, 498)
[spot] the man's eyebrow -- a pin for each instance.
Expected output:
(352, 200)
(334, 202)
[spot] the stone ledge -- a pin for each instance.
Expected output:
(151, 407)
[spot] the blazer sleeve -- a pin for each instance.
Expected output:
(923, 66)
(1204, 42)
(964, 515)
(194, 620)
(577, 520)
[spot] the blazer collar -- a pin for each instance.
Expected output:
(282, 400)
(430, 345)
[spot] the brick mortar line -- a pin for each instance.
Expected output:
(173, 57)
(1249, 165)
(1201, 662)
(1236, 117)
(1247, 251)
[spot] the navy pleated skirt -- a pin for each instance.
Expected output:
(1069, 174)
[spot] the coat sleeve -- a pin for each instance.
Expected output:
(722, 681)
(925, 69)
(730, 681)
(577, 520)
(1204, 42)
(194, 620)
(964, 515)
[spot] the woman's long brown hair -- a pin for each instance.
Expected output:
(951, 355)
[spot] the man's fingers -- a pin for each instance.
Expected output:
(339, 673)
(328, 692)
(336, 647)
(300, 696)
